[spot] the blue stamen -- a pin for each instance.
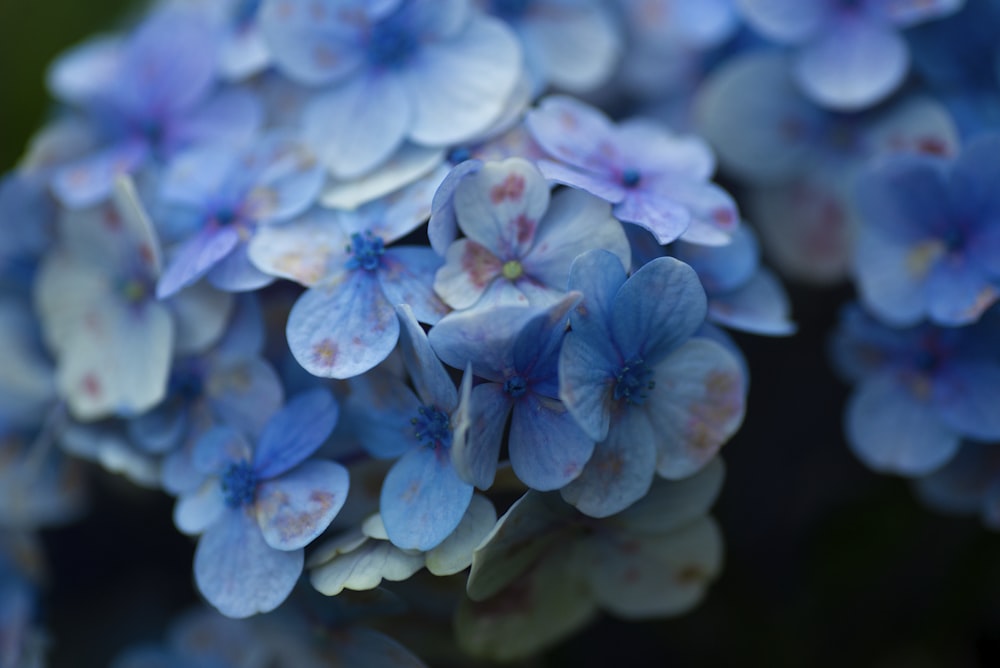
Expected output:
(366, 251)
(432, 427)
(239, 485)
(632, 381)
(515, 386)
(631, 178)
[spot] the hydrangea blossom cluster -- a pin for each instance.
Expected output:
(374, 288)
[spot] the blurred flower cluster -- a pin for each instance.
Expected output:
(378, 287)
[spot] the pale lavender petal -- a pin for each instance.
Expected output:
(235, 272)
(307, 250)
(659, 213)
(193, 258)
(595, 184)
(443, 225)
(199, 509)
(432, 382)
(407, 277)
(217, 448)
(90, 180)
(576, 134)
(231, 117)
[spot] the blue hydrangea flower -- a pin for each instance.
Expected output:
(423, 497)
(146, 99)
(519, 243)
(850, 54)
(344, 324)
(261, 505)
(112, 340)
(216, 198)
(436, 73)
(919, 391)
(930, 243)
(516, 350)
(655, 400)
(651, 177)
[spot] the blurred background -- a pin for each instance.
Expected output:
(827, 564)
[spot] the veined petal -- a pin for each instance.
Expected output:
(431, 380)
(193, 258)
(344, 327)
(295, 508)
(547, 447)
(306, 250)
(407, 277)
(238, 572)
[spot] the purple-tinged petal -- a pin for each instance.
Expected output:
(156, 77)
(620, 470)
(500, 206)
(904, 13)
(295, 432)
(285, 178)
(597, 185)
(575, 223)
(547, 447)
(217, 448)
(475, 459)
(459, 86)
(238, 572)
(965, 396)
(193, 258)
(378, 411)
(892, 429)
(659, 213)
(760, 306)
(305, 250)
(342, 328)
(359, 124)
(395, 215)
(576, 47)
(196, 176)
(714, 216)
(294, 509)
(469, 269)
(696, 406)
(722, 268)
(443, 225)
(230, 117)
(199, 509)
(481, 338)
(90, 180)
(423, 499)
(407, 277)
(651, 149)
(852, 65)
(576, 134)
(235, 272)
(432, 382)
(539, 336)
(658, 308)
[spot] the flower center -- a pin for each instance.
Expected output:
(391, 44)
(512, 270)
(632, 382)
(432, 427)
(366, 251)
(515, 386)
(239, 485)
(631, 178)
(459, 154)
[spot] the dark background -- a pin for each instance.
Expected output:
(827, 564)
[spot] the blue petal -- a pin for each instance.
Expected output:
(430, 378)
(535, 351)
(475, 458)
(342, 328)
(217, 448)
(443, 225)
(231, 117)
(235, 272)
(199, 509)
(200, 314)
(966, 394)
(957, 292)
(786, 21)
(893, 431)
(238, 572)
(295, 432)
(294, 509)
(195, 257)
(407, 277)
(423, 499)
(159, 429)
(547, 447)
(90, 180)
(658, 308)
(378, 412)
(245, 394)
(620, 470)
(761, 306)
